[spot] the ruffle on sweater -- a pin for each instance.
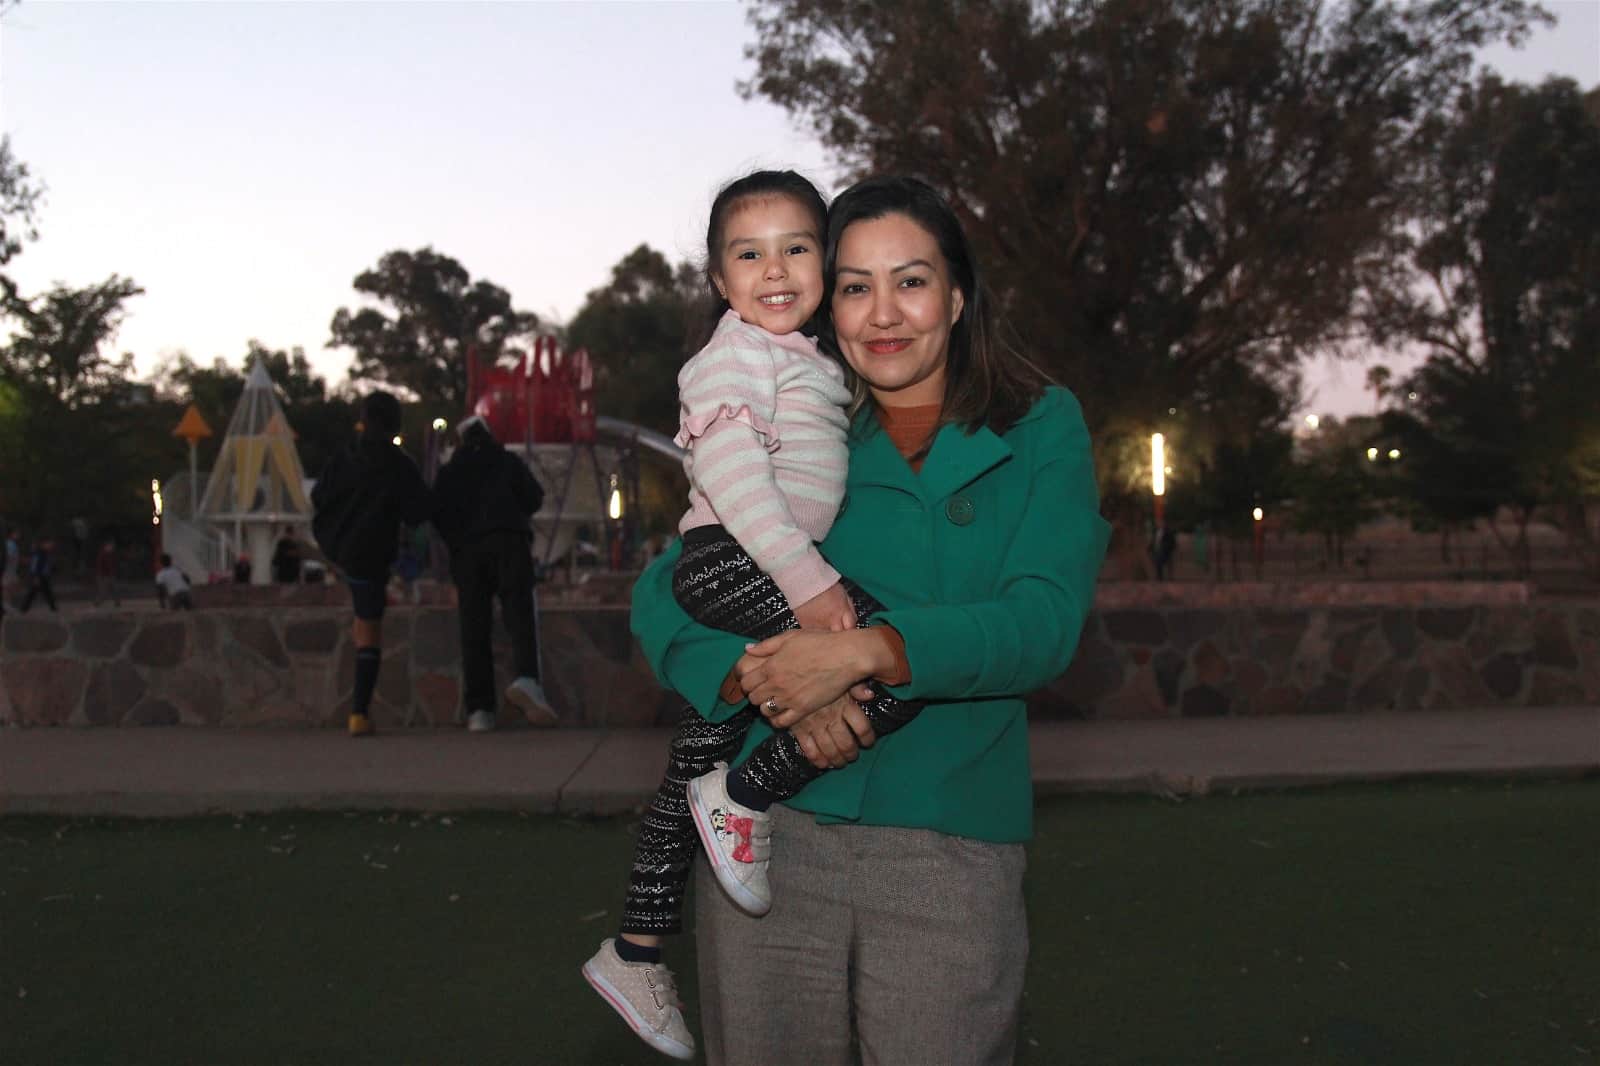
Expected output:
(695, 425)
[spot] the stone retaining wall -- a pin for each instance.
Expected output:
(294, 665)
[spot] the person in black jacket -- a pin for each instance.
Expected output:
(483, 498)
(360, 501)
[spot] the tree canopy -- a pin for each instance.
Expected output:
(19, 198)
(638, 332)
(434, 315)
(1156, 186)
(1506, 242)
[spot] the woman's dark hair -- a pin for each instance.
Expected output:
(380, 415)
(760, 185)
(987, 382)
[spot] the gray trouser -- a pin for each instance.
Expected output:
(917, 938)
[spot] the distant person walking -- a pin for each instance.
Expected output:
(483, 498)
(10, 570)
(172, 586)
(105, 574)
(41, 572)
(363, 496)
(286, 560)
(1164, 550)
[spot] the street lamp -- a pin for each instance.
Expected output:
(440, 425)
(1258, 546)
(614, 504)
(1372, 455)
(1394, 453)
(1158, 474)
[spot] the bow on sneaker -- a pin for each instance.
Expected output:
(737, 840)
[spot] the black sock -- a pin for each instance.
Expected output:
(742, 792)
(367, 662)
(628, 951)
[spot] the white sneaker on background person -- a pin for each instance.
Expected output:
(526, 693)
(480, 722)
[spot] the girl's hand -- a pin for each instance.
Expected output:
(795, 673)
(832, 737)
(829, 610)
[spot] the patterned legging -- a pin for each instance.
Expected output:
(719, 585)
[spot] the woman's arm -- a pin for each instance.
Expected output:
(689, 658)
(1016, 641)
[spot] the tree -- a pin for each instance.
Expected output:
(1336, 489)
(637, 330)
(1156, 186)
(1507, 245)
(439, 315)
(63, 332)
(79, 437)
(19, 197)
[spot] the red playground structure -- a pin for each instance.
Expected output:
(545, 399)
(543, 408)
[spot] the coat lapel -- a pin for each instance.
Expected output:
(956, 459)
(959, 458)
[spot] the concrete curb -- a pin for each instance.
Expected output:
(191, 771)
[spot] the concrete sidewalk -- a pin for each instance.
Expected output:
(177, 771)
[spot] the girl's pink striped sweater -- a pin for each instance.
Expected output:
(763, 418)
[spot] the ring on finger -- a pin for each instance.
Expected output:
(771, 706)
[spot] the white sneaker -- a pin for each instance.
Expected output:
(646, 996)
(738, 841)
(528, 694)
(480, 722)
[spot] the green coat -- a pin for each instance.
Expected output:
(987, 560)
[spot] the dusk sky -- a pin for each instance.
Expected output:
(243, 162)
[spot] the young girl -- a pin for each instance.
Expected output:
(762, 414)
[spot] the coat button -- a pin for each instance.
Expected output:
(959, 510)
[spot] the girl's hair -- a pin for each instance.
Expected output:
(760, 185)
(987, 382)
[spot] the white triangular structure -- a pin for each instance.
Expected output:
(257, 486)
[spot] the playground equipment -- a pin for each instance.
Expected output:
(543, 410)
(256, 489)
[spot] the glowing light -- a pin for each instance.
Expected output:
(1312, 421)
(440, 425)
(1372, 455)
(1394, 453)
(155, 500)
(1158, 465)
(1411, 396)
(397, 440)
(1258, 514)
(614, 505)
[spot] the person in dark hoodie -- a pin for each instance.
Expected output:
(360, 501)
(483, 498)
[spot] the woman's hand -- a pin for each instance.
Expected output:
(833, 736)
(795, 673)
(829, 610)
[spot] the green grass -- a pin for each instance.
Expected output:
(1405, 924)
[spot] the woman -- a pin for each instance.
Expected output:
(897, 929)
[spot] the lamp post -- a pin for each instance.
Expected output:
(155, 525)
(1158, 476)
(1258, 546)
